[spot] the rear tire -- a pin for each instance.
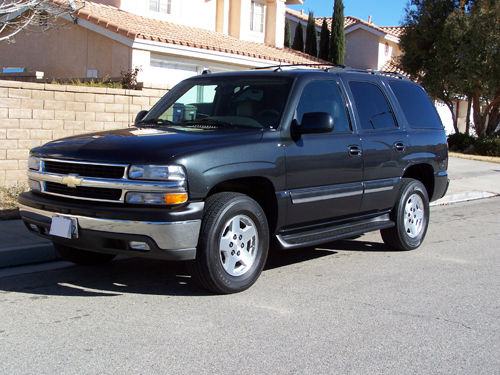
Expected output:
(233, 244)
(83, 257)
(411, 215)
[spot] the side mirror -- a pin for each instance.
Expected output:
(140, 116)
(315, 122)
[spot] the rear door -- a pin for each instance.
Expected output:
(324, 171)
(384, 144)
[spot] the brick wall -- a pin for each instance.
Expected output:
(32, 114)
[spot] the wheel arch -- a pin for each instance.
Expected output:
(258, 188)
(423, 173)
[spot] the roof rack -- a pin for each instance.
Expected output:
(329, 67)
(280, 66)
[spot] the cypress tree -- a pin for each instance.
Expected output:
(298, 39)
(311, 36)
(337, 41)
(288, 36)
(324, 41)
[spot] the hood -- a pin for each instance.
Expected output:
(143, 145)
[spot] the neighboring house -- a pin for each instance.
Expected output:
(369, 46)
(168, 39)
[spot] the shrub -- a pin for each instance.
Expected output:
(487, 146)
(9, 194)
(460, 141)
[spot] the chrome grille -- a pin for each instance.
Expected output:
(84, 169)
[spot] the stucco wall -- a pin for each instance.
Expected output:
(66, 51)
(361, 50)
(32, 114)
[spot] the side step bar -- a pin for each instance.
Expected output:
(333, 233)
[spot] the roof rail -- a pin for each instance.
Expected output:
(280, 66)
(329, 67)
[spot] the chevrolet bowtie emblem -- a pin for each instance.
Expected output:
(72, 181)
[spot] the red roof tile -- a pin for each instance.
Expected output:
(391, 66)
(137, 27)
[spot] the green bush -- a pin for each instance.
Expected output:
(481, 146)
(460, 141)
(487, 146)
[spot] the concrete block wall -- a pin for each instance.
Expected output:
(32, 114)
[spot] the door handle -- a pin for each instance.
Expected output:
(355, 150)
(399, 146)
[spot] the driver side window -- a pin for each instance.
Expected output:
(324, 96)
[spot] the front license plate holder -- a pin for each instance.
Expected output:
(65, 227)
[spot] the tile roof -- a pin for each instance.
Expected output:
(349, 21)
(391, 66)
(137, 27)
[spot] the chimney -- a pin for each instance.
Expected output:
(369, 19)
(302, 11)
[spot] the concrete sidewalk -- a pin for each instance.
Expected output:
(470, 179)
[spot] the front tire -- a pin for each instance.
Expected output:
(233, 244)
(411, 215)
(87, 258)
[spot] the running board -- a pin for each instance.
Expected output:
(333, 233)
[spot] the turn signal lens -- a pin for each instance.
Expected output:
(175, 198)
(156, 198)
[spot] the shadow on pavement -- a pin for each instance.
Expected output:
(154, 277)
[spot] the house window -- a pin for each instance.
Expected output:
(162, 6)
(387, 49)
(257, 16)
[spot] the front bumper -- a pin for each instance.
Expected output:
(166, 239)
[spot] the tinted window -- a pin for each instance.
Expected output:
(373, 109)
(324, 96)
(416, 105)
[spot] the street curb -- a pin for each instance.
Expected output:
(463, 197)
(491, 159)
(27, 254)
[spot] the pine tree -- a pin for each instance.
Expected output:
(324, 41)
(337, 41)
(311, 36)
(288, 35)
(298, 39)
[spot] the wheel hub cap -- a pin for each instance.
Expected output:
(238, 245)
(414, 215)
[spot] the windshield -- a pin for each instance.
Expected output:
(223, 102)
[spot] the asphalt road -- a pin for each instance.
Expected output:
(348, 307)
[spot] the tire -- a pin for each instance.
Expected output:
(83, 257)
(411, 215)
(233, 244)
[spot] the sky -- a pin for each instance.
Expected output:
(383, 12)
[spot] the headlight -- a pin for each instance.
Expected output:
(34, 163)
(157, 172)
(156, 198)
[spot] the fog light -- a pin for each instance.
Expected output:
(33, 227)
(34, 185)
(137, 245)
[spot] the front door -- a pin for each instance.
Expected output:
(324, 171)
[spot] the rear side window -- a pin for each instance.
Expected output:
(416, 105)
(373, 109)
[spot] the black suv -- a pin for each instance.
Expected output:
(225, 163)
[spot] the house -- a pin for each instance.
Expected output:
(369, 46)
(168, 39)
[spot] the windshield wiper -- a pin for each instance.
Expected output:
(155, 121)
(208, 121)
